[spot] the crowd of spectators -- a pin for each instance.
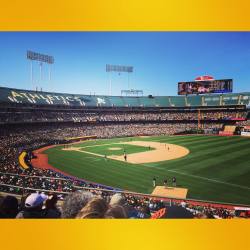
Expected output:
(99, 204)
(14, 141)
(13, 179)
(84, 116)
(243, 123)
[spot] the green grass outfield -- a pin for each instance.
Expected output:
(217, 168)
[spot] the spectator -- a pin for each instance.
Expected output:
(118, 199)
(94, 209)
(116, 212)
(33, 207)
(8, 207)
(51, 210)
(74, 202)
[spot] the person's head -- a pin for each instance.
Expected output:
(34, 201)
(115, 212)
(117, 199)
(51, 201)
(9, 207)
(95, 208)
(74, 202)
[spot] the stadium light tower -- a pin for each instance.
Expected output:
(119, 69)
(41, 58)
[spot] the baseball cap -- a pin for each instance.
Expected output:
(173, 212)
(35, 200)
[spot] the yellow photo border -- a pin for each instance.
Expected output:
(129, 15)
(125, 15)
(128, 234)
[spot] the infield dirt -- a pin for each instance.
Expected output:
(160, 152)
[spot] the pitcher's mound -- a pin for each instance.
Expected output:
(170, 192)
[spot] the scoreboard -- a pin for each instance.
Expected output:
(204, 87)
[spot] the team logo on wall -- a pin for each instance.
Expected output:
(100, 101)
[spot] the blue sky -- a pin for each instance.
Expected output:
(160, 60)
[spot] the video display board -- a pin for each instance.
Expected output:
(204, 87)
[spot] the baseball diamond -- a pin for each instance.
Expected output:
(206, 168)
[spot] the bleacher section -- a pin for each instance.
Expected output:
(228, 131)
(8, 95)
(229, 128)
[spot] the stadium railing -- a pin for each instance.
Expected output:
(203, 203)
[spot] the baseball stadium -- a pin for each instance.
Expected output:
(187, 152)
(142, 125)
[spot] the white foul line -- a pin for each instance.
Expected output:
(208, 179)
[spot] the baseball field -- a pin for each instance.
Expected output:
(211, 167)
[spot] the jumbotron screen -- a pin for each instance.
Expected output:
(203, 87)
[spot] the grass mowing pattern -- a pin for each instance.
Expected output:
(217, 168)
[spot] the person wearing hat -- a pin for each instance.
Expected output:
(33, 207)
